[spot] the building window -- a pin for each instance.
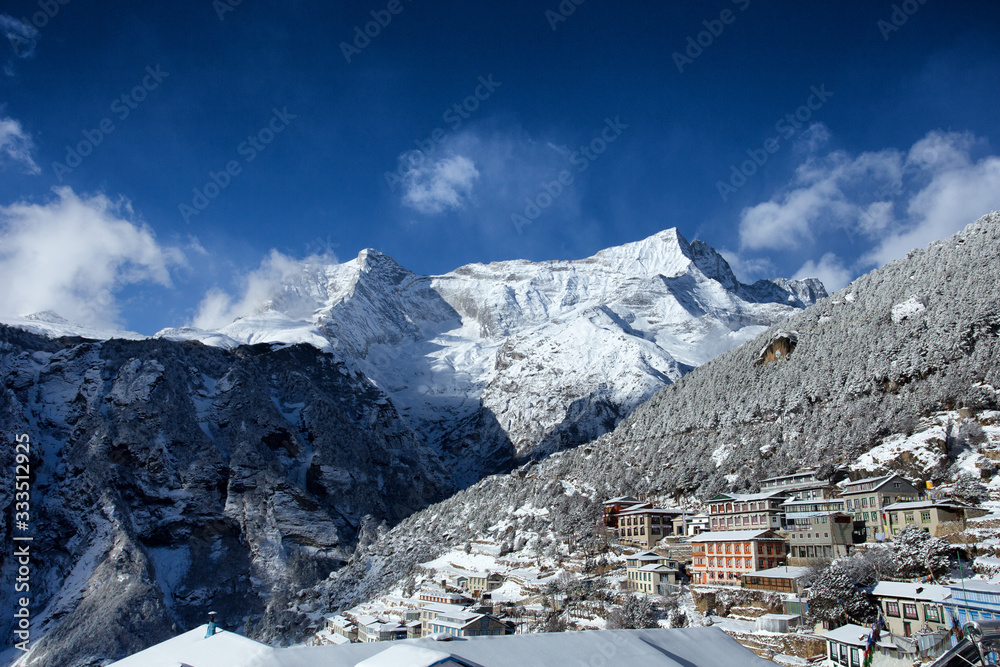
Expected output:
(892, 608)
(910, 610)
(925, 517)
(908, 516)
(931, 613)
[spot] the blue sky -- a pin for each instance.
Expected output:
(151, 153)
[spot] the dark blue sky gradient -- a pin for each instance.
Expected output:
(321, 182)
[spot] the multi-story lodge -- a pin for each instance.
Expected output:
(818, 529)
(866, 498)
(742, 511)
(801, 485)
(429, 612)
(648, 571)
(722, 557)
(478, 583)
(644, 525)
(931, 515)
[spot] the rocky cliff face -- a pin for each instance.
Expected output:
(170, 478)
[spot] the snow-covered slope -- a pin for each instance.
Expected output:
(517, 358)
(865, 388)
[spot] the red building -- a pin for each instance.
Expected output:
(613, 507)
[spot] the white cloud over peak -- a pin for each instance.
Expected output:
(258, 290)
(830, 270)
(432, 186)
(16, 146)
(73, 254)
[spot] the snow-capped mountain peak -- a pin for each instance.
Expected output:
(495, 360)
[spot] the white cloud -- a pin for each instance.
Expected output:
(824, 194)
(957, 194)
(830, 270)
(73, 254)
(261, 288)
(21, 35)
(433, 186)
(936, 185)
(748, 269)
(484, 173)
(16, 146)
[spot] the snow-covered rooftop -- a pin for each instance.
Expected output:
(911, 591)
(973, 585)
(442, 608)
(924, 504)
(622, 500)
(687, 647)
(855, 635)
(194, 649)
(782, 572)
(745, 497)
(408, 655)
(655, 567)
(852, 487)
(654, 510)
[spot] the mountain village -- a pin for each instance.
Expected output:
(747, 564)
(783, 503)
